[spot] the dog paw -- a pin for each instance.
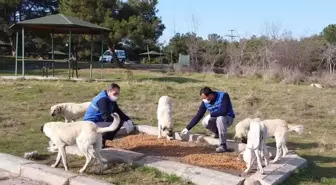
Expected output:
(159, 137)
(273, 161)
(53, 166)
(81, 170)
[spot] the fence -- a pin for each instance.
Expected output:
(62, 69)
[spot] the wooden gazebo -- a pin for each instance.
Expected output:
(59, 24)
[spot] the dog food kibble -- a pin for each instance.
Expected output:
(191, 153)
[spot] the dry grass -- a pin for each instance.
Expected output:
(25, 106)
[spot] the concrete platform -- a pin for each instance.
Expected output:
(15, 169)
(7, 178)
(195, 174)
(274, 173)
(52, 78)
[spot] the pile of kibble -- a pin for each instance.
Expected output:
(187, 152)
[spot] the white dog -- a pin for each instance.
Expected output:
(275, 127)
(164, 116)
(256, 145)
(86, 134)
(69, 111)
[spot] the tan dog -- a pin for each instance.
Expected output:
(86, 134)
(164, 116)
(69, 111)
(275, 127)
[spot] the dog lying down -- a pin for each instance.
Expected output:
(86, 134)
(164, 116)
(275, 127)
(256, 146)
(69, 111)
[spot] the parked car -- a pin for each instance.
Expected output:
(108, 57)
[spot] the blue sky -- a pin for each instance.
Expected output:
(248, 17)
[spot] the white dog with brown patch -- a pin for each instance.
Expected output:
(69, 111)
(275, 127)
(86, 134)
(256, 145)
(164, 116)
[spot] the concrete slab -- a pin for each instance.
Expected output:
(116, 154)
(147, 129)
(197, 175)
(7, 178)
(278, 172)
(111, 154)
(43, 173)
(81, 180)
(12, 163)
(5, 175)
(39, 78)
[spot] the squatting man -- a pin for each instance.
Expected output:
(220, 118)
(101, 109)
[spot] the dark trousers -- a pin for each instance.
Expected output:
(218, 125)
(109, 135)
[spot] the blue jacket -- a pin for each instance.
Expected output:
(221, 106)
(101, 108)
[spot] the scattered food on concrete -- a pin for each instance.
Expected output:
(187, 152)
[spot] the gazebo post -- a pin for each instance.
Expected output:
(102, 64)
(23, 53)
(69, 53)
(16, 52)
(52, 53)
(91, 56)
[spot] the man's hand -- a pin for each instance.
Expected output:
(129, 126)
(185, 131)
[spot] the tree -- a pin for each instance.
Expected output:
(12, 11)
(133, 23)
(329, 33)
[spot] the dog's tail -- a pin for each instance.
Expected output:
(113, 126)
(295, 128)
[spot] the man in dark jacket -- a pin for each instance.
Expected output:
(220, 118)
(101, 108)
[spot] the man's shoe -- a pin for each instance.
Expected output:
(222, 148)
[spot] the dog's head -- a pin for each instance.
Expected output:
(241, 130)
(168, 131)
(55, 110)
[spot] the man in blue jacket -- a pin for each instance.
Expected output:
(101, 108)
(220, 118)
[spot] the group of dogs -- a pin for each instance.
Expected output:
(88, 136)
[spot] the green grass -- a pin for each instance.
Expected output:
(25, 107)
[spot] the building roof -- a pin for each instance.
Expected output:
(59, 23)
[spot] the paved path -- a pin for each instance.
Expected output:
(9, 179)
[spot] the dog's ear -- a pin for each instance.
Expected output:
(59, 109)
(42, 128)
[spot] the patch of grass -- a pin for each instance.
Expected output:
(25, 107)
(120, 173)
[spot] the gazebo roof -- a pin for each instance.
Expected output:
(59, 23)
